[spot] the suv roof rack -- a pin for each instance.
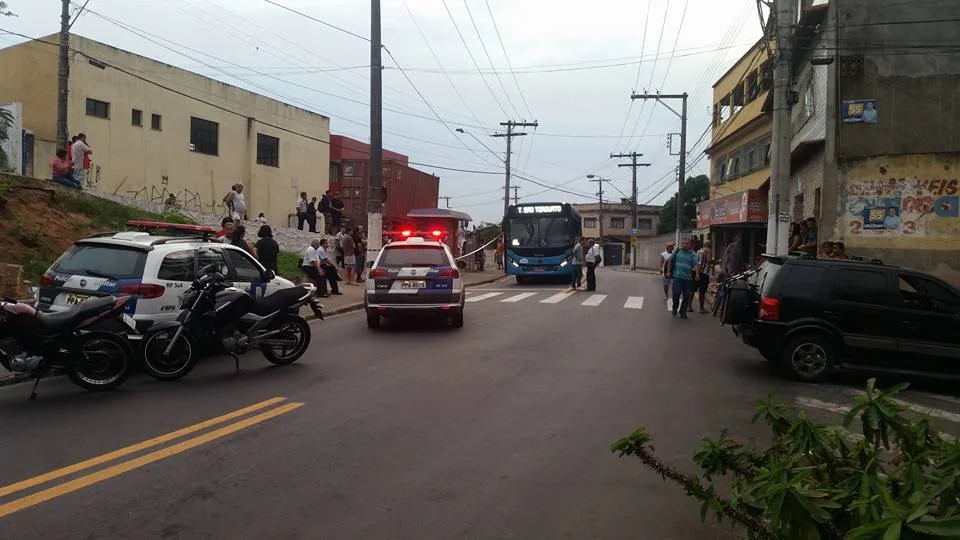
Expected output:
(875, 261)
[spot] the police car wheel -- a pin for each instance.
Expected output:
(456, 320)
(373, 320)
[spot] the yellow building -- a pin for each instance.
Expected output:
(156, 129)
(740, 153)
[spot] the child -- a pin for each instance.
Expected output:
(826, 250)
(261, 219)
(839, 251)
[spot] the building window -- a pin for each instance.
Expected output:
(589, 223)
(155, 122)
(737, 98)
(644, 224)
(97, 108)
(136, 117)
(725, 108)
(204, 136)
(753, 86)
(617, 222)
(268, 150)
(765, 150)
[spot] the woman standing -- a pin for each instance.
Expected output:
(268, 250)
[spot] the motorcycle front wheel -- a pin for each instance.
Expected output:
(295, 338)
(178, 364)
(106, 364)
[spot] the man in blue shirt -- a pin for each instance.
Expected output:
(685, 271)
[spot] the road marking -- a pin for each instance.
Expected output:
(594, 300)
(920, 409)
(149, 443)
(480, 297)
(519, 297)
(633, 302)
(136, 463)
(824, 405)
(559, 297)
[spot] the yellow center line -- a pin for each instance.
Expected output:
(136, 463)
(134, 448)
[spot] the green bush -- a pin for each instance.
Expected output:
(900, 480)
(288, 265)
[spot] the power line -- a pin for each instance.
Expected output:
(325, 23)
(643, 44)
(509, 64)
(489, 59)
(653, 70)
(474, 60)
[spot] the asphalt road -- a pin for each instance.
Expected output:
(497, 430)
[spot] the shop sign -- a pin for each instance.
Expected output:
(745, 207)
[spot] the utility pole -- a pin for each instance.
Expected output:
(510, 134)
(683, 145)
(63, 74)
(778, 240)
(516, 194)
(375, 191)
(633, 201)
(445, 199)
(600, 181)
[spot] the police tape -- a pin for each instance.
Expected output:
(481, 248)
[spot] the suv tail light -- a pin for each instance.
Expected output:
(449, 272)
(46, 280)
(377, 273)
(143, 290)
(769, 309)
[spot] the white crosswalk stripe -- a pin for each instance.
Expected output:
(484, 296)
(633, 302)
(922, 410)
(557, 298)
(519, 297)
(594, 300)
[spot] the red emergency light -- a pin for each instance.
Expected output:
(437, 234)
(406, 234)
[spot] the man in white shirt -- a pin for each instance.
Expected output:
(593, 259)
(665, 269)
(311, 267)
(78, 152)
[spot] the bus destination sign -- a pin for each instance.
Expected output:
(544, 209)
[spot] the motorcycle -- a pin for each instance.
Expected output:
(233, 322)
(35, 342)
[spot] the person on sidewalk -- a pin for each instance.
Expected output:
(685, 272)
(498, 254)
(338, 246)
(593, 259)
(268, 250)
(350, 257)
(665, 269)
(704, 262)
(312, 214)
(329, 270)
(360, 250)
(301, 209)
(312, 268)
(80, 158)
(60, 171)
(576, 263)
(324, 208)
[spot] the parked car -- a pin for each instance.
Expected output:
(814, 316)
(155, 270)
(414, 276)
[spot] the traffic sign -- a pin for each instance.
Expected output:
(634, 232)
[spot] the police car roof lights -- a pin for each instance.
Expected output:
(173, 228)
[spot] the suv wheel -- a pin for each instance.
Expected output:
(809, 357)
(373, 320)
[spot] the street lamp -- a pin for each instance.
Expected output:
(465, 132)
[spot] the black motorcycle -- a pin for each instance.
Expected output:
(217, 317)
(35, 342)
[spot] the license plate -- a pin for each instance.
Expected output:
(413, 284)
(75, 298)
(539, 269)
(128, 320)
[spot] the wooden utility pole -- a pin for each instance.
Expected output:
(599, 181)
(778, 241)
(683, 146)
(445, 199)
(375, 191)
(509, 135)
(63, 75)
(633, 201)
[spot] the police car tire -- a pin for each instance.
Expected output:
(373, 321)
(456, 320)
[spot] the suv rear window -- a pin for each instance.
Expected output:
(764, 277)
(410, 256)
(802, 281)
(102, 261)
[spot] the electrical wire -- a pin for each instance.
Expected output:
(325, 23)
(473, 59)
(506, 56)
(636, 84)
(489, 59)
(653, 71)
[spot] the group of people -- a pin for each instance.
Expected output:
(70, 165)
(350, 253)
(330, 207)
(687, 271)
(266, 249)
(803, 237)
(586, 253)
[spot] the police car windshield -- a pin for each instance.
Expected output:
(413, 256)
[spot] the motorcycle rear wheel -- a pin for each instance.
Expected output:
(108, 362)
(291, 325)
(178, 365)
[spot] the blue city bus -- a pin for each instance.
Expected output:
(539, 239)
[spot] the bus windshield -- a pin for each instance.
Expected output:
(540, 232)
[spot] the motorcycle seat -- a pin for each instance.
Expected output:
(64, 319)
(279, 300)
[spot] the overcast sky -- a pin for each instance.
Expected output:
(574, 66)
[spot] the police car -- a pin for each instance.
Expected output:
(414, 275)
(154, 269)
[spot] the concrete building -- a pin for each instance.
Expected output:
(893, 133)
(616, 220)
(156, 129)
(740, 153)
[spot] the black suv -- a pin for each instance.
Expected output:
(812, 316)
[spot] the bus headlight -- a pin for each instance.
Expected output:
(564, 263)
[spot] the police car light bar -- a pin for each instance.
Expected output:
(171, 227)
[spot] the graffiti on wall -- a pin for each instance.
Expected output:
(914, 206)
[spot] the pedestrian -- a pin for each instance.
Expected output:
(268, 250)
(239, 239)
(80, 158)
(593, 260)
(350, 258)
(329, 270)
(60, 171)
(704, 262)
(301, 208)
(236, 206)
(261, 219)
(336, 210)
(685, 273)
(360, 250)
(312, 269)
(227, 226)
(338, 246)
(732, 257)
(324, 208)
(576, 263)
(665, 269)
(312, 214)
(498, 255)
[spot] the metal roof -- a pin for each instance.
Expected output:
(442, 213)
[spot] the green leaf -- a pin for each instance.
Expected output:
(893, 532)
(871, 530)
(944, 527)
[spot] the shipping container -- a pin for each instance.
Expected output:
(406, 189)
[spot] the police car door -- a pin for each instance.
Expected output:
(245, 272)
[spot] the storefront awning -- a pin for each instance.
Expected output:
(746, 207)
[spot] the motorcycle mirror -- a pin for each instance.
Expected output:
(270, 275)
(209, 269)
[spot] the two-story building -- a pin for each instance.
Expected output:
(616, 220)
(740, 153)
(157, 130)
